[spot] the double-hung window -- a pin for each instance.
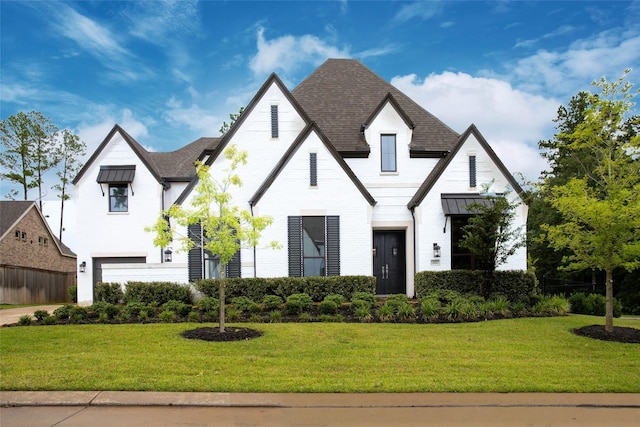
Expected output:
(388, 153)
(118, 198)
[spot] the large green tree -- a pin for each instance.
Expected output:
(68, 153)
(226, 227)
(28, 142)
(600, 208)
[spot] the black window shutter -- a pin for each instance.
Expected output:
(313, 169)
(333, 245)
(472, 171)
(195, 256)
(233, 269)
(295, 246)
(274, 121)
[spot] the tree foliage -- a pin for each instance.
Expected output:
(68, 152)
(226, 227)
(490, 234)
(232, 119)
(28, 141)
(600, 207)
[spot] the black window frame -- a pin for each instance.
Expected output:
(114, 197)
(383, 156)
(331, 245)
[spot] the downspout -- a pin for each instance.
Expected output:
(415, 250)
(255, 266)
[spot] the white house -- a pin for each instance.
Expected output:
(359, 179)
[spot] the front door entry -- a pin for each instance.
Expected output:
(389, 262)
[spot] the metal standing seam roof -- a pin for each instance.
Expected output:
(459, 204)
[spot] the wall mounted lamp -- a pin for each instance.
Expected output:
(83, 266)
(436, 251)
(168, 255)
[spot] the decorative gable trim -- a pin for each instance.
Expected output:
(224, 141)
(142, 154)
(389, 99)
(437, 171)
(293, 149)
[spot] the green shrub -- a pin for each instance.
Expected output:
(305, 300)
(304, 317)
(593, 304)
(336, 298)
(208, 304)
(514, 285)
(178, 307)
(407, 312)
(64, 312)
(386, 313)
(552, 306)
(255, 318)
(396, 301)
(275, 316)
(430, 308)
(364, 296)
(134, 308)
(158, 292)
(72, 291)
(272, 302)
(109, 292)
(362, 312)
(78, 313)
(25, 320)
(40, 315)
(500, 306)
(241, 303)
(293, 307)
(519, 308)
(327, 307)
(104, 308)
(334, 318)
(193, 316)
(50, 320)
(254, 308)
(167, 316)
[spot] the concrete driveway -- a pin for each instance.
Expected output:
(12, 315)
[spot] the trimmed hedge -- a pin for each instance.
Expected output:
(514, 285)
(317, 287)
(157, 292)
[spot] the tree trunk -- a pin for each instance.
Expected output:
(221, 298)
(609, 302)
(61, 217)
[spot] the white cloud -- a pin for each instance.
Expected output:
(288, 52)
(511, 120)
(93, 133)
(194, 117)
(420, 9)
(157, 20)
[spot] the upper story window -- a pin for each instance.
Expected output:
(274, 121)
(472, 170)
(388, 153)
(118, 198)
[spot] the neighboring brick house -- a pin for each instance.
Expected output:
(35, 267)
(358, 178)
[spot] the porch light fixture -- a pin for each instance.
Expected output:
(83, 266)
(168, 255)
(436, 251)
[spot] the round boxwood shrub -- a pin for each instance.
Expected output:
(272, 302)
(305, 300)
(327, 307)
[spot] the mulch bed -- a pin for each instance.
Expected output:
(231, 333)
(619, 334)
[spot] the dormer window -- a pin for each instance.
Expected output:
(388, 153)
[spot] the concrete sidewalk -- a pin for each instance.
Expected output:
(135, 409)
(317, 400)
(9, 316)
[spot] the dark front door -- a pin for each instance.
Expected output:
(389, 262)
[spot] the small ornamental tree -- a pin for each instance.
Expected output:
(601, 209)
(226, 227)
(490, 235)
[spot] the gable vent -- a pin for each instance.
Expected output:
(313, 169)
(274, 121)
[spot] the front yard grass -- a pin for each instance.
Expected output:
(515, 355)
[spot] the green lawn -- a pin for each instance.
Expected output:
(518, 355)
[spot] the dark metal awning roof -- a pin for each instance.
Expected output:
(120, 174)
(458, 204)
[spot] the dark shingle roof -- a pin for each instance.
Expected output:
(12, 211)
(342, 94)
(180, 163)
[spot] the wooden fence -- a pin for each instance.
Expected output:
(19, 285)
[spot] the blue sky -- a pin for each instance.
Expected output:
(171, 71)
